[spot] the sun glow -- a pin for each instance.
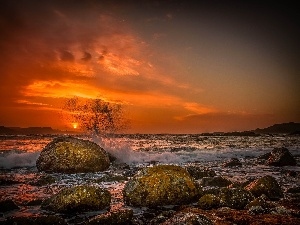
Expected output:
(75, 125)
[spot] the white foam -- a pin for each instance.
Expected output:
(13, 159)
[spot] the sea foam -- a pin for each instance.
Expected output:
(13, 159)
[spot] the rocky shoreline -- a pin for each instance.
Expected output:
(167, 194)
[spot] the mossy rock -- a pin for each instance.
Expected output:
(78, 199)
(160, 185)
(265, 185)
(121, 216)
(72, 155)
(209, 201)
(261, 201)
(234, 198)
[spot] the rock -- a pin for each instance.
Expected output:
(255, 210)
(235, 198)
(198, 172)
(7, 205)
(215, 181)
(43, 180)
(72, 155)
(45, 220)
(293, 190)
(160, 185)
(265, 185)
(261, 201)
(121, 216)
(233, 162)
(189, 218)
(78, 199)
(279, 157)
(209, 201)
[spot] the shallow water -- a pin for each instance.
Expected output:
(20, 177)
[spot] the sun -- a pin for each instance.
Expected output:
(75, 125)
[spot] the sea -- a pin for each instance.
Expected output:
(19, 176)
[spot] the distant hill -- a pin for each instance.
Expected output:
(286, 128)
(30, 130)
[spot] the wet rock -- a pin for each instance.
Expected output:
(72, 155)
(293, 190)
(7, 205)
(265, 185)
(261, 201)
(121, 216)
(78, 199)
(235, 198)
(215, 181)
(233, 162)
(255, 210)
(111, 178)
(188, 218)
(160, 185)
(198, 172)
(209, 201)
(279, 157)
(43, 180)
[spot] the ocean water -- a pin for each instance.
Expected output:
(19, 176)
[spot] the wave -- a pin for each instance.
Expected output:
(17, 159)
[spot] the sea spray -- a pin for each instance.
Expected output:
(17, 159)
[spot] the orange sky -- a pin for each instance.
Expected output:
(175, 67)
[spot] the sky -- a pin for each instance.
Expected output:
(173, 66)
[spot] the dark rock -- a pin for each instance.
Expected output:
(261, 201)
(43, 180)
(72, 155)
(293, 190)
(209, 201)
(160, 185)
(265, 185)
(4, 181)
(188, 218)
(198, 172)
(121, 216)
(78, 199)
(7, 205)
(279, 157)
(44, 220)
(233, 162)
(215, 181)
(255, 210)
(235, 198)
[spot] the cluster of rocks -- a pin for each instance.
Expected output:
(153, 187)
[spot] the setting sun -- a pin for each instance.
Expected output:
(75, 125)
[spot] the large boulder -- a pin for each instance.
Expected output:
(279, 157)
(72, 155)
(78, 199)
(160, 185)
(265, 185)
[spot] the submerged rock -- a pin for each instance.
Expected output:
(265, 185)
(234, 198)
(198, 172)
(78, 199)
(279, 157)
(233, 162)
(72, 155)
(121, 216)
(160, 185)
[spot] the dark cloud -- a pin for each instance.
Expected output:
(67, 56)
(86, 57)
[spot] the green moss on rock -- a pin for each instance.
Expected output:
(72, 155)
(79, 198)
(160, 185)
(235, 198)
(265, 185)
(209, 201)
